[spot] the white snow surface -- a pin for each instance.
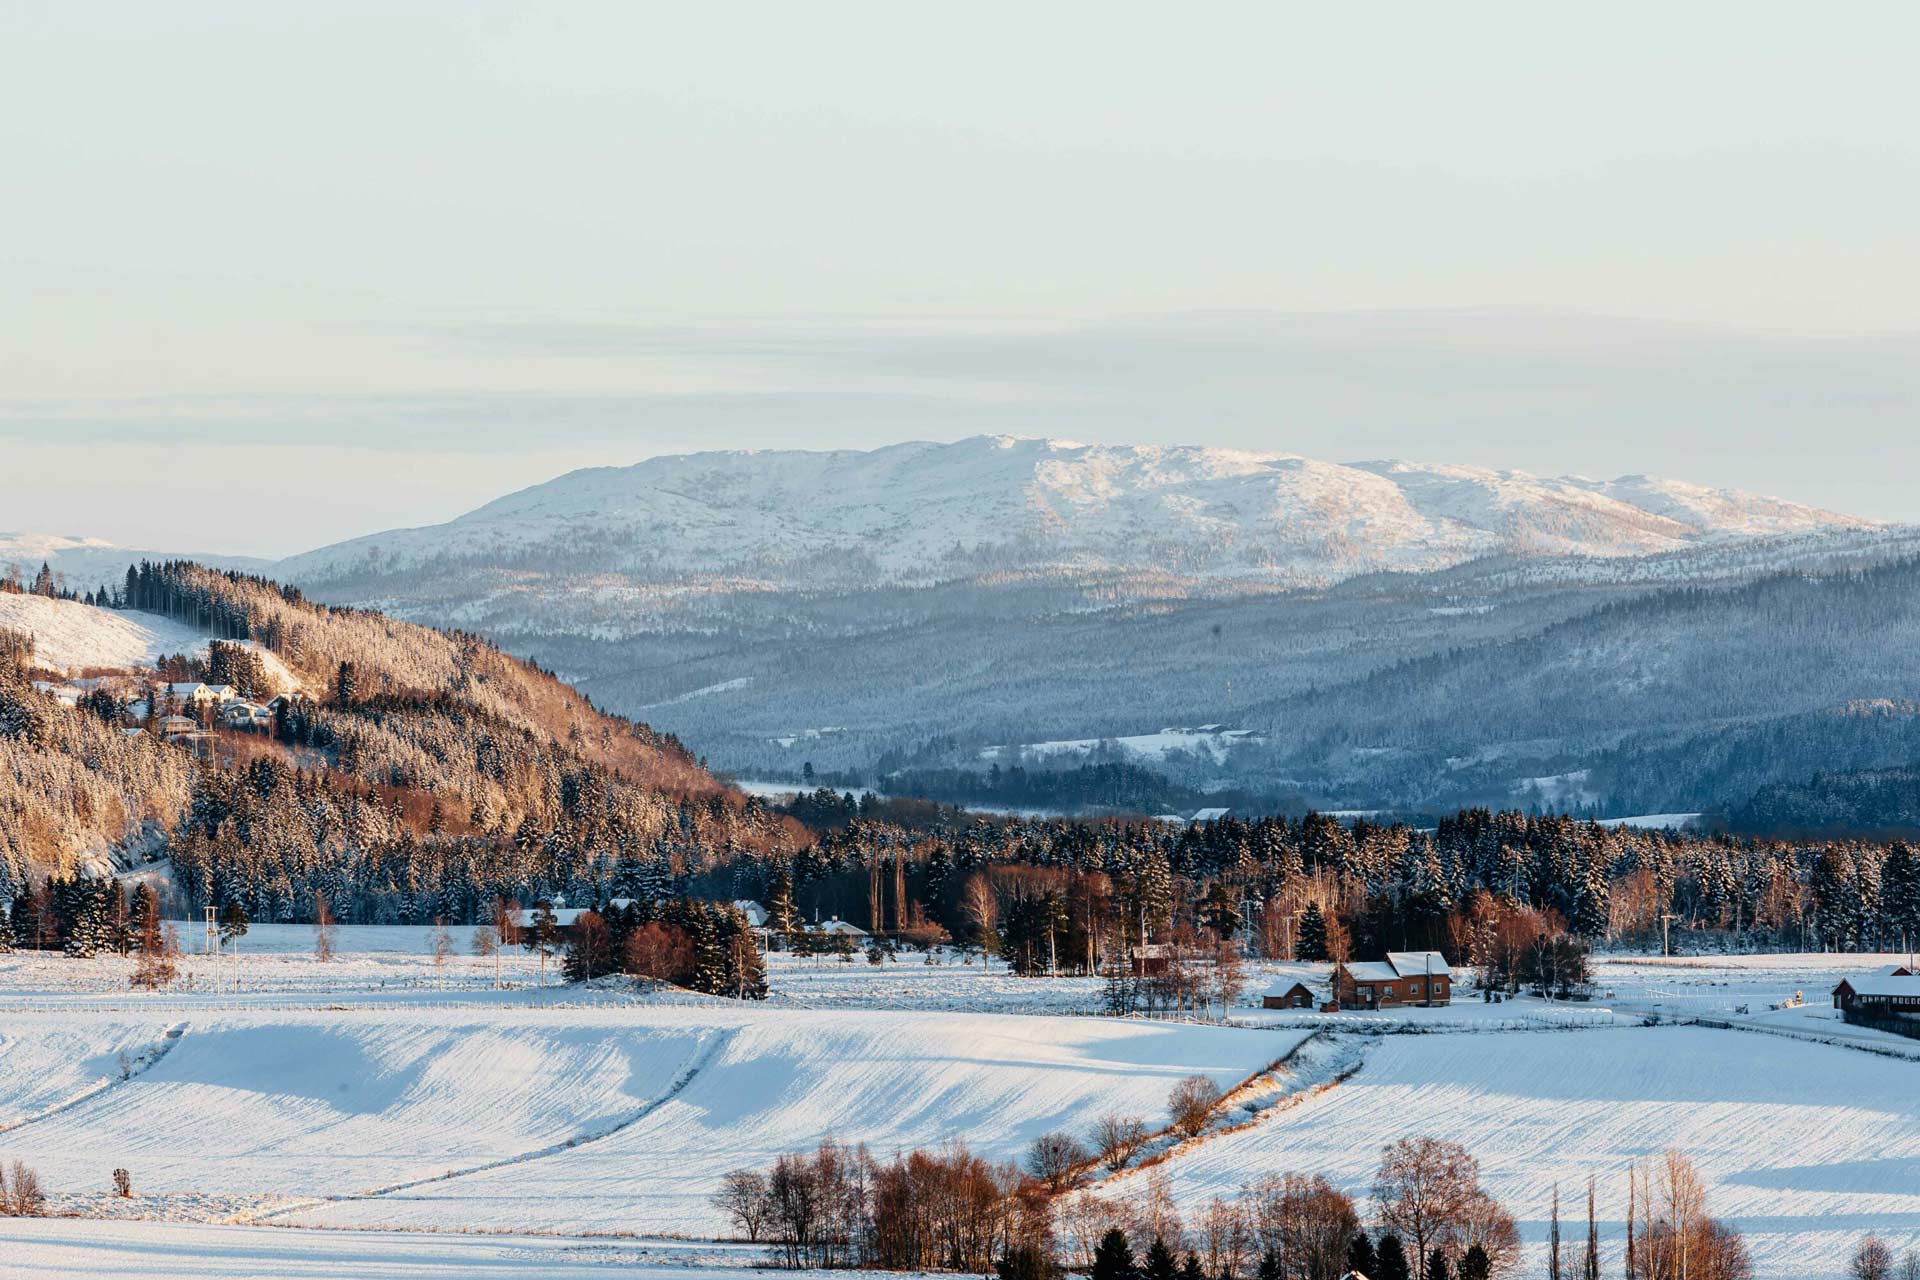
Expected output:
(70, 635)
(1804, 1147)
(381, 1090)
(925, 511)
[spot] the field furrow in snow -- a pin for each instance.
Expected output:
(46, 1065)
(788, 1080)
(317, 1104)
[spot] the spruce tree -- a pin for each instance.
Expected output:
(1160, 1263)
(782, 919)
(1392, 1263)
(1438, 1268)
(1271, 1267)
(6, 929)
(1313, 935)
(1190, 1270)
(1361, 1257)
(1113, 1258)
(1475, 1265)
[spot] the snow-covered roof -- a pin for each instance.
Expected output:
(1210, 815)
(1417, 964)
(837, 925)
(755, 913)
(1281, 986)
(1373, 971)
(563, 917)
(1885, 984)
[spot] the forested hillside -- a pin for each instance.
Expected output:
(1675, 700)
(415, 773)
(1871, 801)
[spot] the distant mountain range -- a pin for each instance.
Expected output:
(925, 513)
(1364, 635)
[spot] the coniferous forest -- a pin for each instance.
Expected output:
(411, 775)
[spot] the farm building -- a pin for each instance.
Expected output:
(1150, 960)
(1894, 989)
(1284, 995)
(1403, 978)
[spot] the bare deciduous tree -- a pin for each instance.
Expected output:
(322, 928)
(1055, 1159)
(20, 1193)
(743, 1198)
(1424, 1189)
(1118, 1139)
(1191, 1104)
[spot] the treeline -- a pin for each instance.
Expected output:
(1427, 1218)
(1075, 895)
(1112, 786)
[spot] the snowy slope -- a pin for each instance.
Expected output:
(595, 1119)
(1804, 1146)
(71, 635)
(921, 511)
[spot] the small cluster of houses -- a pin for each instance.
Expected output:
(227, 708)
(219, 703)
(1403, 978)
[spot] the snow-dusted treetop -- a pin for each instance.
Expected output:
(921, 511)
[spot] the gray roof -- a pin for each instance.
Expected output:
(1417, 964)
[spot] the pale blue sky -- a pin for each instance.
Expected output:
(389, 261)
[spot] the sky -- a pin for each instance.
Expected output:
(315, 271)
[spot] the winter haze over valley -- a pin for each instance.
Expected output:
(1072, 642)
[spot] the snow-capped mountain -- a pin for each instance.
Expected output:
(926, 512)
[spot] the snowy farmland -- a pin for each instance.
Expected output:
(383, 1095)
(1804, 1146)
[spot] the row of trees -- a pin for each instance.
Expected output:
(1061, 895)
(949, 1210)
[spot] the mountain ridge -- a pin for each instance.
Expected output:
(924, 511)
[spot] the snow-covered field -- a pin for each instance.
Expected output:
(382, 1092)
(1805, 1147)
(71, 635)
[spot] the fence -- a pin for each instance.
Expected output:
(1900, 1024)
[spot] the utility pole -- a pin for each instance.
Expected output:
(1666, 917)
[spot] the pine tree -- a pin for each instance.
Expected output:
(1475, 1264)
(6, 928)
(1438, 1268)
(1900, 892)
(233, 921)
(1313, 934)
(782, 919)
(1160, 1264)
(346, 686)
(1190, 1270)
(1271, 1266)
(1113, 1258)
(1361, 1256)
(1392, 1261)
